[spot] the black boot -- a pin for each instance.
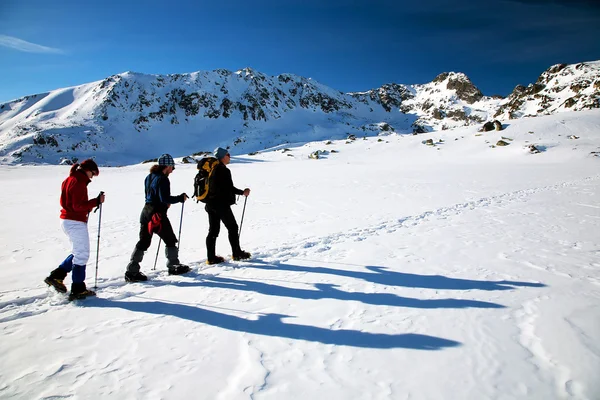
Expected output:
(56, 279)
(215, 260)
(133, 273)
(211, 257)
(79, 291)
(133, 277)
(241, 255)
(173, 264)
(236, 251)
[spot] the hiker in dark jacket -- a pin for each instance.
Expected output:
(153, 219)
(74, 217)
(221, 195)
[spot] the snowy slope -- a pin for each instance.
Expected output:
(124, 118)
(388, 269)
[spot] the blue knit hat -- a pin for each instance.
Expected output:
(220, 153)
(167, 160)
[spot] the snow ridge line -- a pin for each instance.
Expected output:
(359, 234)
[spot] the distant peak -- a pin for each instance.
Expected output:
(247, 71)
(456, 76)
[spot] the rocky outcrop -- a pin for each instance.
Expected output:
(560, 88)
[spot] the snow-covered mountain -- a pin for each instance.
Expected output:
(560, 88)
(130, 117)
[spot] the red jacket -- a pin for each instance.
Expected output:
(74, 198)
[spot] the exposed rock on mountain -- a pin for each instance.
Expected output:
(131, 117)
(560, 88)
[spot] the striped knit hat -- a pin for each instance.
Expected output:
(167, 160)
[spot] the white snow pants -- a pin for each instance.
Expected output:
(77, 232)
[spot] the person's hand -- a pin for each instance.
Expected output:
(246, 192)
(184, 197)
(101, 198)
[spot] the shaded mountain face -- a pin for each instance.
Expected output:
(130, 117)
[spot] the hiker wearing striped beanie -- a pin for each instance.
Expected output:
(153, 219)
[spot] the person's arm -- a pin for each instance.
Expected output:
(164, 193)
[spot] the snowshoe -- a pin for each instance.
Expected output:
(56, 284)
(242, 255)
(178, 269)
(79, 291)
(133, 277)
(215, 260)
(81, 295)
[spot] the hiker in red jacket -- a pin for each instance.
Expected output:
(74, 216)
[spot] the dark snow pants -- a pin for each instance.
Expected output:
(165, 232)
(216, 214)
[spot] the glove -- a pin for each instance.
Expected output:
(184, 197)
(98, 201)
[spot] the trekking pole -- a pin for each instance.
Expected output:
(180, 223)
(98, 247)
(98, 244)
(157, 249)
(242, 220)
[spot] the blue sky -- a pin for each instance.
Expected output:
(351, 45)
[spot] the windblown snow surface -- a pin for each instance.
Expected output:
(387, 269)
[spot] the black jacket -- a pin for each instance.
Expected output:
(221, 191)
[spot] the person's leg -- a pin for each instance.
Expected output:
(168, 236)
(79, 236)
(232, 230)
(140, 248)
(214, 227)
(132, 272)
(174, 266)
(58, 275)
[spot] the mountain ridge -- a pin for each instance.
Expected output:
(130, 117)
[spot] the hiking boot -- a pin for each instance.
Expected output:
(135, 277)
(81, 295)
(56, 284)
(215, 260)
(134, 261)
(178, 269)
(242, 255)
(56, 278)
(79, 291)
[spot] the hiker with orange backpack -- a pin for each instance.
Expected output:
(220, 197)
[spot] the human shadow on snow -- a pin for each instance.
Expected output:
(272, 325)
(330, 291)
(384, 276)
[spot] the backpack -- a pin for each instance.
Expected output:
(206, 166)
